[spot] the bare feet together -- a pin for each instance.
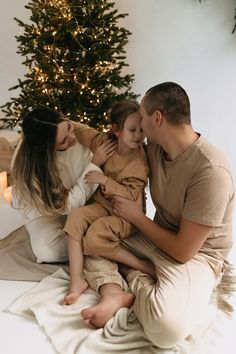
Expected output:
(75, 292)
(98, 315)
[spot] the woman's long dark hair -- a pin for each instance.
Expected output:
(36, 181)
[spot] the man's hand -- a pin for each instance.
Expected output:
(103, 152)
(95, 177)
(129, 210)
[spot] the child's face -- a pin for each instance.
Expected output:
(131, 135)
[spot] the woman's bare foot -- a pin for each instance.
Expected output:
(98, 315)
(75, 292)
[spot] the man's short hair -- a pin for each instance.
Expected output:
(171, 100)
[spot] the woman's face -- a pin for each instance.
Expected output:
(65, 137)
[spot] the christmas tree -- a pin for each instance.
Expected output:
(74, 54)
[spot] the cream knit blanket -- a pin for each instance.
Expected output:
(123, 334)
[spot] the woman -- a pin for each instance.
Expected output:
(48, 172)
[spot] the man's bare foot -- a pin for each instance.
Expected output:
(75, 292)
(98, 315)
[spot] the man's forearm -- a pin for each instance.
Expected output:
(183, 245)
(164, 239)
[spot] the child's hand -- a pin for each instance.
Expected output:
(95, 177)
(130, 210)
(104, 152)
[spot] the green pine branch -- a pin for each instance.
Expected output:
(234, 29)
(74, 55)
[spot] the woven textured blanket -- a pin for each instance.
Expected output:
(63, 325)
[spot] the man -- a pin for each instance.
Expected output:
(48, 169)
(190, 237)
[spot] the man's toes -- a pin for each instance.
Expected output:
(87, 313)
(89, 324)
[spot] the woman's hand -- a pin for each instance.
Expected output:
(130, 210)
(95, 177)
(104, 152)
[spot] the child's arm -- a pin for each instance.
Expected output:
(82, 191)
(129, 187)
(95, 177)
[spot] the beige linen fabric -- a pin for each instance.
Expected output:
(18, 262)
(103, 232)
(6, 153)
(47, 238)
(123, 334)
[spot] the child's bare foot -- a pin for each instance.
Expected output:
(98, 315)
(75, 292)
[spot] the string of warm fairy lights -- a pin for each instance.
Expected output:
(59, 79)
(61, 75)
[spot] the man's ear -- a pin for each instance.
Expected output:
(157, 118)
(115, 130)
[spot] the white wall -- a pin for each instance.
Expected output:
(176, 40)
(10, 63)
(192, 44)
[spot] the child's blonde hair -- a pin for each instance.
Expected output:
(119, 113)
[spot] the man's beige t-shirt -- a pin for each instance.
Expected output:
(197, 186)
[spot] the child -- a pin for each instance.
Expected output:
(95, 228)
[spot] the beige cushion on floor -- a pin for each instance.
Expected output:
(11, 136)
(6, 153)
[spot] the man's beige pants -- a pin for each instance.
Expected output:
(169, 308)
